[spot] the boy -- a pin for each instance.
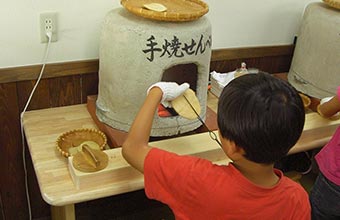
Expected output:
(259, 118)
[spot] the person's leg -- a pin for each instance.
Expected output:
(325, 199)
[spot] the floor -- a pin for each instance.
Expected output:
(128, 206)
(307, 181)
(301, 167)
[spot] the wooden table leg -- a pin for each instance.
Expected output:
(65, 212)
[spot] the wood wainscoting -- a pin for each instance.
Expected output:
(68, 84)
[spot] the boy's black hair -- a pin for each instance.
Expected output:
(262, 114)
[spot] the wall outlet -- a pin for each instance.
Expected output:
(48, 22)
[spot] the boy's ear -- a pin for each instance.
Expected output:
(230, 147)
(234, 149)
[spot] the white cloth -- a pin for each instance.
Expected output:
(223, 78)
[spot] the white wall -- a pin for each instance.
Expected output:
(239, 23)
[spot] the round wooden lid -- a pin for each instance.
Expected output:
(90, 160)
(182, 106)
(167, 10)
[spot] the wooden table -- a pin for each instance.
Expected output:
(43, 127)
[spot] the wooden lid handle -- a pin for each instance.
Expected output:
(87, 150)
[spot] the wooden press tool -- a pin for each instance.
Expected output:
(90, 160)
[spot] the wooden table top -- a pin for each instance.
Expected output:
(43, 127)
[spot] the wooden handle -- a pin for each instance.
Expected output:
(86, 149)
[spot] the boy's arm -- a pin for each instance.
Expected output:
(136, 147)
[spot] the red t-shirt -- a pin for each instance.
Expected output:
(196, 189)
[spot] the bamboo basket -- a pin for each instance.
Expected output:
(75, 137)
(177, 10)
(333, 3)
(306, 100)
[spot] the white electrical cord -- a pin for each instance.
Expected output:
(49, 35)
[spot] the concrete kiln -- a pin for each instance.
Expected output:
(136, 52)
(316, 62)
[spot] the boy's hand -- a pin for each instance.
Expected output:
(171, 90)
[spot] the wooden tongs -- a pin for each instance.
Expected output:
(211, 133)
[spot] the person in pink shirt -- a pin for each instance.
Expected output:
(260, 118)
(325, 194)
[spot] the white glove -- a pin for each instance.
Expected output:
(171, 90)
